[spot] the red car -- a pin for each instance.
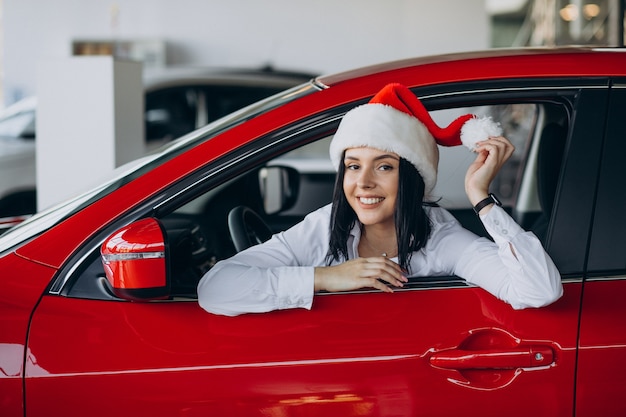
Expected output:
(75, 340)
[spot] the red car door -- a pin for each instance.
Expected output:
(601, 377)
(436, 347)
(407, 353)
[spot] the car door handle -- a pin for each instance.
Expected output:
(504, 358)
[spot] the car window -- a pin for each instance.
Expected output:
(170, 113)
(223, 100)
(518, 122)
(198, 230)
(522, 123)
(519, 194)
(175, 111)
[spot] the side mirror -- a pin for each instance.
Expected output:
(134, 260)
(279, 187)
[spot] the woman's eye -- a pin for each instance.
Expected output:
(385, 167)
(352, 167)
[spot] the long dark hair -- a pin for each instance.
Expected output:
(412, 224)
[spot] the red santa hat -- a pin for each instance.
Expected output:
(395, 120)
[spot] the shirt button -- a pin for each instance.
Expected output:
(504, 231)
(496, 222)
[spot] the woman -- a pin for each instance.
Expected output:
(380, 227)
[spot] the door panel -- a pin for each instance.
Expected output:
(601, 378)
(341, 358)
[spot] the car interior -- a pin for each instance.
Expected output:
(249, 208)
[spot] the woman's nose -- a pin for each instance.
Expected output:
(365, 179)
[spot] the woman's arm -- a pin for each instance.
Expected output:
(515, 267)
(491, 156)
(274, 275)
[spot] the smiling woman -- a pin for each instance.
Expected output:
(383, 224)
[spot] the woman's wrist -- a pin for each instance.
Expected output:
(484, 205)
(318, 278)
(476, 197)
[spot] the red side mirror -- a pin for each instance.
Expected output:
(135, 263)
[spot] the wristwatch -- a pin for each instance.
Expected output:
(491, 199)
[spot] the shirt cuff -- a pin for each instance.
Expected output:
(297, 290)
(500, 226)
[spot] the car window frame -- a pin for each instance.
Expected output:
(569, 246)
(608, 242)
(318, 126)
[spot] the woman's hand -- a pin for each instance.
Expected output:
(492, 154)
(360, 273)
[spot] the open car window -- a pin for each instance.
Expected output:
(198, 231)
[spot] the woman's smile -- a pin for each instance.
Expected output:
(370, 200)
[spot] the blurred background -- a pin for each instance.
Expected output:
(323, 36)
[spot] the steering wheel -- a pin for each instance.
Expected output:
(247, 228)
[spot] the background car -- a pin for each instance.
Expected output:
(17, 161)
(76, 338)
(177, 101)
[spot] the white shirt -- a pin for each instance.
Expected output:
(279, 273)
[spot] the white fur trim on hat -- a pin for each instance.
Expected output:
(383, 127)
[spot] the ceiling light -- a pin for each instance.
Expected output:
(569, 13)
(591, 10)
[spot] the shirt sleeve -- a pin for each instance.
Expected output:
(514, 267)
(277, 274)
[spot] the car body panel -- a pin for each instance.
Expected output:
(340, 357)
(359, 353)
(601, 373)
(18, 297)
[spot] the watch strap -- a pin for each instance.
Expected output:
(491, 199)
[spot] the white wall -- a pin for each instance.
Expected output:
(321, 36)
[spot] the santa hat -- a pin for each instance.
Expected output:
(395, 120)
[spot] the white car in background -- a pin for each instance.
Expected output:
(17, 160)
(177, 101)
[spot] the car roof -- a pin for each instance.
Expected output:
(494, 63)
(261, 77)
(23, 105)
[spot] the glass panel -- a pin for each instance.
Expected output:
(518, 122)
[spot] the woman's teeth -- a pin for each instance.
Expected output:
(370, 200)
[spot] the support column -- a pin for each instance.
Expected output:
(89, 121)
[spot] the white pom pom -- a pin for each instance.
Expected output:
(478, 129)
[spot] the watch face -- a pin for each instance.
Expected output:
(495, 199)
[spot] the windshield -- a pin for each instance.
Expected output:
(122, 175)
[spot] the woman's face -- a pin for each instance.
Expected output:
(370, 184)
